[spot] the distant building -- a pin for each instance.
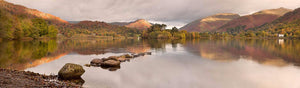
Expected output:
(280, 35)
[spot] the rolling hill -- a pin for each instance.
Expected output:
(210, 23)
(254, 20)
(30, 13)
(288, 24)
(140, 24)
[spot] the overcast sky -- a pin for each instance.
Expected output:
(171, 12)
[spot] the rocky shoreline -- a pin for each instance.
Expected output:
(15, 79)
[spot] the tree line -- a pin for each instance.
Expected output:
(17, 26)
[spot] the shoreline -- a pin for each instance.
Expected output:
(14, 78)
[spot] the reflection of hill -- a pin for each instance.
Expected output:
(23, 54)
(264, 52)
(138, 48)
(17, 54)
(37, 62)
(88, 47)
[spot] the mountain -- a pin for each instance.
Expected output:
(289, 17)
(73, 22)
(120, 23)
(139, 24)
(92, 25)
(30, 13)
(210, 23)
(288, 24)
(254, 20)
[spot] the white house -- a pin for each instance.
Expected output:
(280, 35)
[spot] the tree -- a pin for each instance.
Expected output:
(52, 31)
(174, 29)
(41, 25)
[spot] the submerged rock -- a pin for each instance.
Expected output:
(71, 71)
(112, 68)
(87, 65)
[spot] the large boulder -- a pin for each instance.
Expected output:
(71, 71)
(96, 62)
(111, 63)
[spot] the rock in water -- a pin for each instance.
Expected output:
(96, 62)
(71, 71)
(122, 59)
(111, 63)
(128, 56)
(148, 53)
(141, 54)
(110, 58)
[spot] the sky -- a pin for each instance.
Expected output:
(171, 12)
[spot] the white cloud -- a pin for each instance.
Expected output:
(167, 11)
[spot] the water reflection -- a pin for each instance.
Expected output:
(268, 52)
(22, 54)
(173, 64)
(25, 54)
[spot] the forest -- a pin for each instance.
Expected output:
(15, 26)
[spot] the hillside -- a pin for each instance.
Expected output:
(288, 24)
(30, 13)
(254, 20)
(139, 24)
(99, 29)
(120, 23)
(19, 22)
(210, 23)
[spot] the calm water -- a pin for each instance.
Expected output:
(173, 64)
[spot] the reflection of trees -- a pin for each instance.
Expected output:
(160, 44)
(262, 51)
(15, 54)
(87, 47)
(22, 54)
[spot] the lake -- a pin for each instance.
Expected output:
(201, 63)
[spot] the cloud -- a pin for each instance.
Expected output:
(166, 11)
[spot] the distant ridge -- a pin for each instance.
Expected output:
(210, 23)
(141, 24)
(254, 20)
(289, 22)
